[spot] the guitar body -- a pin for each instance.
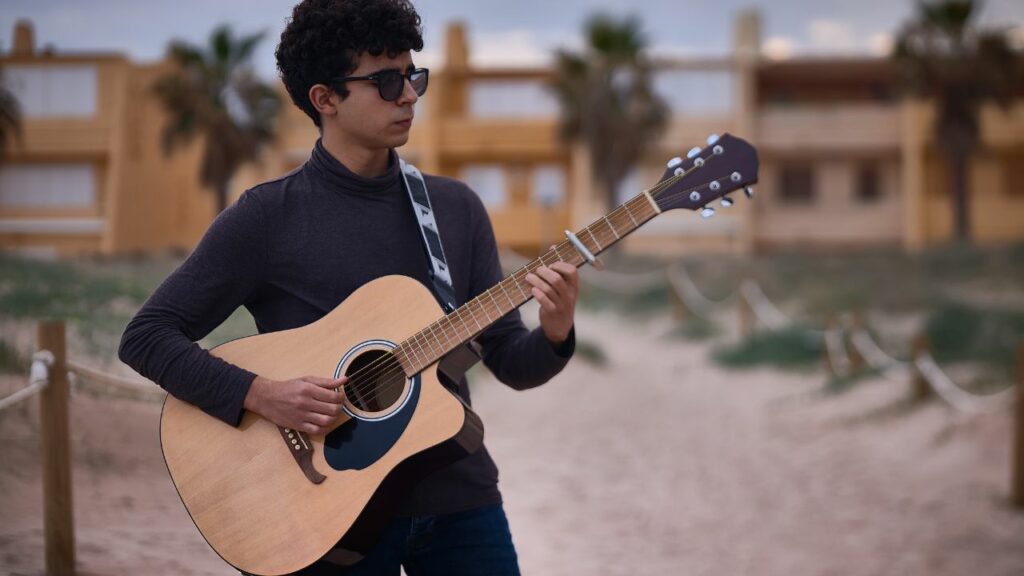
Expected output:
(244, 488)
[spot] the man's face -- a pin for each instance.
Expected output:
(367, 120)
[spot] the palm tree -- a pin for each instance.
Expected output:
(607, 101)
(216, 95)
(946, 59)
(10, 118)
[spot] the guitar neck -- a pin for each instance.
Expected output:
(447, 333)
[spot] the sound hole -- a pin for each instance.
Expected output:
(376, 381)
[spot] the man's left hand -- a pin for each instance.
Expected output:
(555, 287)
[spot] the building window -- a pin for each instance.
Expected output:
(53, 91)
(690, 92)
(47, 186)
(488, 181)
(796, 184)
(548, 185)
(869, 184)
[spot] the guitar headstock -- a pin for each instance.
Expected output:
(706, 174)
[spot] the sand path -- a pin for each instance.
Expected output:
(659, 463)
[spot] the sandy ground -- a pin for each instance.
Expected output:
(659, 463)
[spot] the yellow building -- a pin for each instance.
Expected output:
(845, 161)
(88, 174)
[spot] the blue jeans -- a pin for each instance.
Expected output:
(472, 543)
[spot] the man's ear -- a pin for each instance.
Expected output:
(324, 100)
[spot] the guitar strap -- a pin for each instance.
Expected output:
(456, 362)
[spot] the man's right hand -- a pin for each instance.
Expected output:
(309, 404)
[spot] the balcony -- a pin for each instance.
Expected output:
(841, 127)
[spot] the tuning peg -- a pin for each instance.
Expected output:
(748, 191)
(693, 152)
(727, 202)
(707, 212)
(675, 162)
(712, 139)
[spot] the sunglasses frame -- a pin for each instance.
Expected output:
(376, 77)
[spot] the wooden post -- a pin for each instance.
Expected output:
(1017, 474)
(919, 388)
(857, 362)
(58, 523)
(746, 315)
(679, 309)
(830, 324)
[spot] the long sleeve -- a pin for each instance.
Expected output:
(220, 275)
(517, 356)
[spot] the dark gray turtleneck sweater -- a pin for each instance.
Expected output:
(292, 249)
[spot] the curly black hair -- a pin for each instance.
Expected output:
(324, 38)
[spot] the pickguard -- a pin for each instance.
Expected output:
(357, 443)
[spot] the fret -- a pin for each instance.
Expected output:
(510, 300)
(473, 316)
(497, 308)
(612, 228)
(407, 352)
(629, 212)
(483, 308)
(519, 285)
(432, 329)
(594, 238)
(425, 346)
(415, 347)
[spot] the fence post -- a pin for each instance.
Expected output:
(857, 362)
(919, 388)
(1017, 474)
(58, 522)
(826, 350)
(746, 314)
(679, 309)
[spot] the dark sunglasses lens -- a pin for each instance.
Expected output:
(391, 85)
(419, 81)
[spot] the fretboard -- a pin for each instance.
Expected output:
(447, 333)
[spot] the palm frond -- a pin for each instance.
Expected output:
(214, 95)
(10, 118)
(606, 98)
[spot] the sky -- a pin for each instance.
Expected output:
(520, 32)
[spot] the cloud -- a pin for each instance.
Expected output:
(779, 48)
(517, 47)
(880, 44)
(830, 36)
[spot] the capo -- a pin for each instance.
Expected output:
(582, 249)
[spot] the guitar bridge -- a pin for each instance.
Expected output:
(302, 450)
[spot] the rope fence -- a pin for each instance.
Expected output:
(38, 378)
(51, 372)
(49, 377)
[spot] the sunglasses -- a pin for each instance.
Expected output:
(391, 83)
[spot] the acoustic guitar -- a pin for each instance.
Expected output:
(272, 500)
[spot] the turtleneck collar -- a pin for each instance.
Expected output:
(340, 178)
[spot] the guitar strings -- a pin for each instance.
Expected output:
(362, 382)
(365, 379)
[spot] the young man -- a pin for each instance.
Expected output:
(290, 250)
